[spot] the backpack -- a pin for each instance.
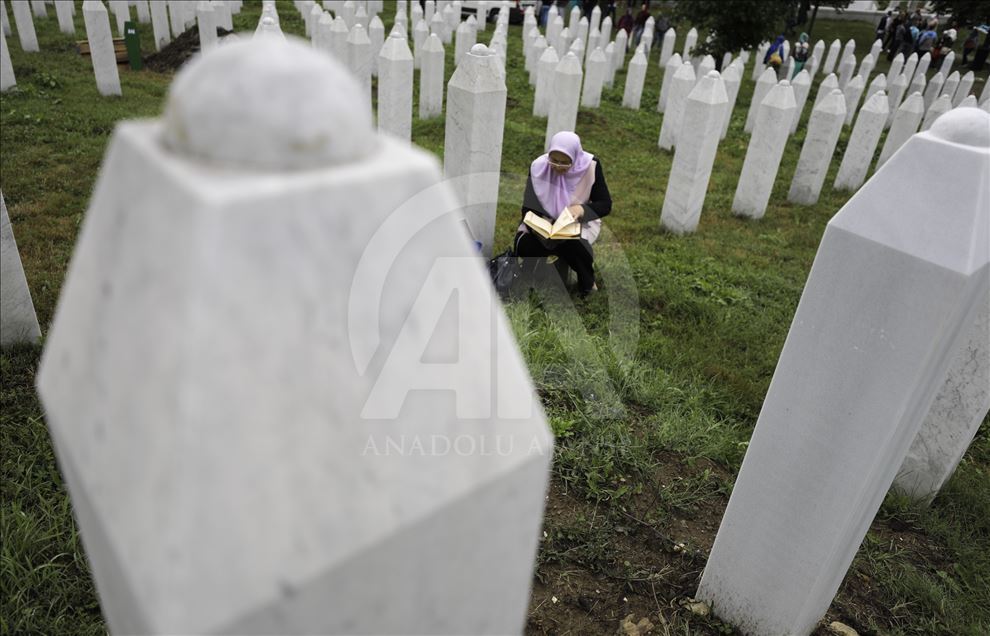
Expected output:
(504, 270)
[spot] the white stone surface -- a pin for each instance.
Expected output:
(610, 65)
(941, 106)
(896, 67)
(813, 64)
(4, 20)
(311, 17)
(536, 51)
(63, 12)
(465, 38)
(832, 58)
(206, 25)
(732, 78)
(582, 34)
(825, 89)
(906, 122)
(674, 62)
(475, 123)
(564, 98)
(667, 48)
(866, 67)
(853, 93)
(766, 147)
(395, 87)
(879, 83)
(649, 29)
(18, 322)
(681, 85)
(632, 94)
(605, 32)
(917, 86)
(985, 93)
(594, 42)
(758, 65)
(594, 79)
(359, 60)
(376, 35)
(824, 128)
(691, 169)
(38, 8)
(323, 33)
(312, 542)
(122, 13)
(159, 24)
(763, 85)
(7, 78)
(910, 64)
(923, 64)
(431, 78)
(544, 82)
(224, 19)
(846, 71)
(706, 66)
(894, 96)
(862, 143)
(621, 46)
(141, 7)
(573, 18)
(818, 51)
(25, 26)
(934, 89)
(947, 62)
(890, 297)
(689, 41)
(101, 47)
(964, 88)
(420, 34)
(348, 11)
(802, 86)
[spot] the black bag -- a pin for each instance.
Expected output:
(504, 269)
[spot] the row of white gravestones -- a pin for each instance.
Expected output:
(766, 147)
(697, 141)
(18, 322)
(878, 361)
(25, 27)
(452, 535)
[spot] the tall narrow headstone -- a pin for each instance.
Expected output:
(970, 102)
(876, 48)
(38, 7)
(338, 39)
(917, 85)
(431, 78)
(248, 324)
(941, 106)
(18, 322)
(63, 12)
(933, 90)
(732, 77)
(674, 62)
(910, 64)
(832, 58)
(544, 82)
(801, 85)
(596, 17)
(923, 64)
(896, 93)
(633, 92)
(122, 13)
(591, 95)
(681, 85)
(4, 20)
(853, 92)
(536, 51)
(646, 39)
(323, 35)
(206, 26)
(689, 41)
(879, 83)
(475, 124)
(605, 37)
(667, 48)
(818, 52)
(348, 11)
(25, 26)
(101, 47)
(697, 142)
(176, 17)
(906, 122)
(609, 65)
(763, 85)
(465, 38)
(866, 67)
(824, 128)
(376, 35)
(706, 65)
(862, 143)
(896, 66)
(825, 89)
(758, 65)
(891, 296)
(159, 24)
(7, 79)
(621, 45)
(395, 87)
(420, 34)
(766, 147)
(573, 18)
(947, 62)
(564, 97)
(846, 70)
(359, 60)
(964, 88)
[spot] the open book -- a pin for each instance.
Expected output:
(565, 227)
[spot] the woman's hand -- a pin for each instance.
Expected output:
(577, 211)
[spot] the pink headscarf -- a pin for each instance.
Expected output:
(555, 190)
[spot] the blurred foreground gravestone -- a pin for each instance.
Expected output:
(247, 379)
(18, 322)
(892, 298)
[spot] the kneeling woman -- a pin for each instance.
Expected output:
(566, 178)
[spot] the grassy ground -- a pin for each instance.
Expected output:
(653, 402)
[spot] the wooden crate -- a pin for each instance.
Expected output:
(119, 48)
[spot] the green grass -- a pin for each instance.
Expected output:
(652, 413)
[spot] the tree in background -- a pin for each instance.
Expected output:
(964, 12)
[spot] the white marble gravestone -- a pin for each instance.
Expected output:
(564, 97)
(964, 88)
(646, 39)
(582, 34)
(395, 87)
(176, 17)
(37, 7)
(847, 69)
(635, 78)
(951, 84)
(621, 46)
(7, 79)
(825, 89)
(910, 64)
(101, 50)
(18, 322)
(697, 142)
(876, 48)
(465, 38)
(758, 65)
(359, 60)
(947, 61)
(681, 85)
(941, 106)
(605, 31)
(862, 143)
(261, 501)
(63, 12)
(818, 52)
(431, 78)
(376, 34)
(25, 27)
(312, 17)
(674, 62)
(563, 42)
(421, 32)
(667, 48)
(544, 82)
(206, 25)
(591, 93)
(476, 97)
(766, 147)
(536, 51)
(689, 41)
(824, 128)
(323, 33)
(896, 67)
(159, 24)
(879, 83)
(891, 296)
(763, 85)
(832, 57)
(898, 87)
(934, 89)
(970, 102)
(801, 85)
(706, 65)
(917, 85)
(906, 122)
(224, 19)
(866, 67)
(923, 64)
(853, 92)
(4, 20)
(732, 78)
(122, 13)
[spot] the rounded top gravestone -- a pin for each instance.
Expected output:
(295, 108)
(967, 126)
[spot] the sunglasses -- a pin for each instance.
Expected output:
(559, 164)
